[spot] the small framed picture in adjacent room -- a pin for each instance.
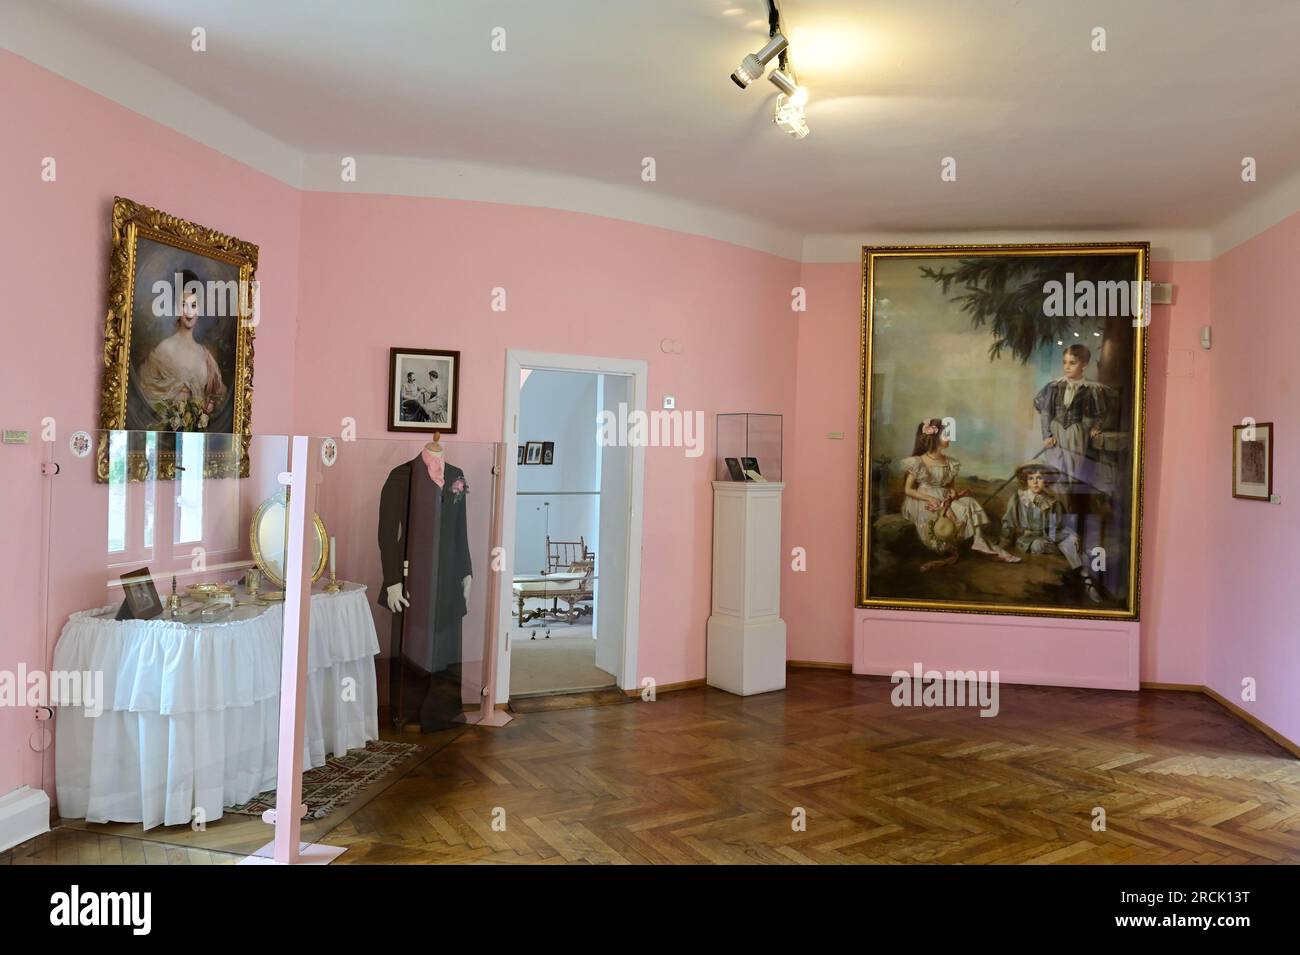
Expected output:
(521, 454)
(1252, 461)
(533, 452)
(423, 390)
(548, 452)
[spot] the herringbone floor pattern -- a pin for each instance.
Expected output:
(701, 776)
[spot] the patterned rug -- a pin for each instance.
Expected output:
(327, 787)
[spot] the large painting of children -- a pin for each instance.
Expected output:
(1002, 406)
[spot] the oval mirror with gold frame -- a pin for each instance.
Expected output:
(268, 532)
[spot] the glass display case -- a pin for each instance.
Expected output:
(748, 447)
(165, 580)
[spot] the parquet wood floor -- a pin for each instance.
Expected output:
(701, 776)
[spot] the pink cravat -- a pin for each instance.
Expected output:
(436, 465)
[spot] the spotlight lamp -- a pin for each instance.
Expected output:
(754, 65)
(797, 94)
(790, 118)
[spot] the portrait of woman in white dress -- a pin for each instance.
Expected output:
(182, 344)
(180, 379)
(183, 310)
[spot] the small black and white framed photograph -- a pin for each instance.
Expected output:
(548, 452)
(533, 453)
(1252, 461)
(423, 390)
(521, 454)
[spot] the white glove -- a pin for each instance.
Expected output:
(396, 602)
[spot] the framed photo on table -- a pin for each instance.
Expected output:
(1252, 461)
(1002, 403)
(423, 390)
(141, 596)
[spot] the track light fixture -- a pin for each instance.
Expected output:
(751, 67)
(790, 103)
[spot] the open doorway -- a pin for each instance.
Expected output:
(571, 527)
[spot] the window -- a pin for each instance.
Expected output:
(189, 482)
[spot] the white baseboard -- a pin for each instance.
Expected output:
(24, 814)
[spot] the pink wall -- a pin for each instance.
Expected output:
(55, 253)
(368, 272)
(822, 506)
(1250, 546)
(381, 271)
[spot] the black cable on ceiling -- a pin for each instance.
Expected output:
(774, 27)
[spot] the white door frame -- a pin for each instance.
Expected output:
(634, 368)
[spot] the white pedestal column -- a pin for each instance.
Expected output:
(746, 649)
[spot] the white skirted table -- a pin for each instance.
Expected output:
(190, 711)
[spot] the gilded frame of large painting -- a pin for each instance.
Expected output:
(150, 247)
(1001, 428)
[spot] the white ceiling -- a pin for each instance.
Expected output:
(1046, 133)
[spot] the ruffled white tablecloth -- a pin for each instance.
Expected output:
(191, 711)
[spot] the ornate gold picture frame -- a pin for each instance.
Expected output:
(1001, 428)
(178, 344)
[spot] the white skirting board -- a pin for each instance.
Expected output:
(24, 814)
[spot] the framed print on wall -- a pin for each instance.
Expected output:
(548, 452)
(533, 452)
(1001, 428)
(178, 343)
(1252, 461)
(423, 390)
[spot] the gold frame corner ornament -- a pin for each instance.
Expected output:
(1142, 252)
(131, 221)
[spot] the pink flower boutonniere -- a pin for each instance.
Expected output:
(458, 489)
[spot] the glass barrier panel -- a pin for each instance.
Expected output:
(409, 544)
(165, 646)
